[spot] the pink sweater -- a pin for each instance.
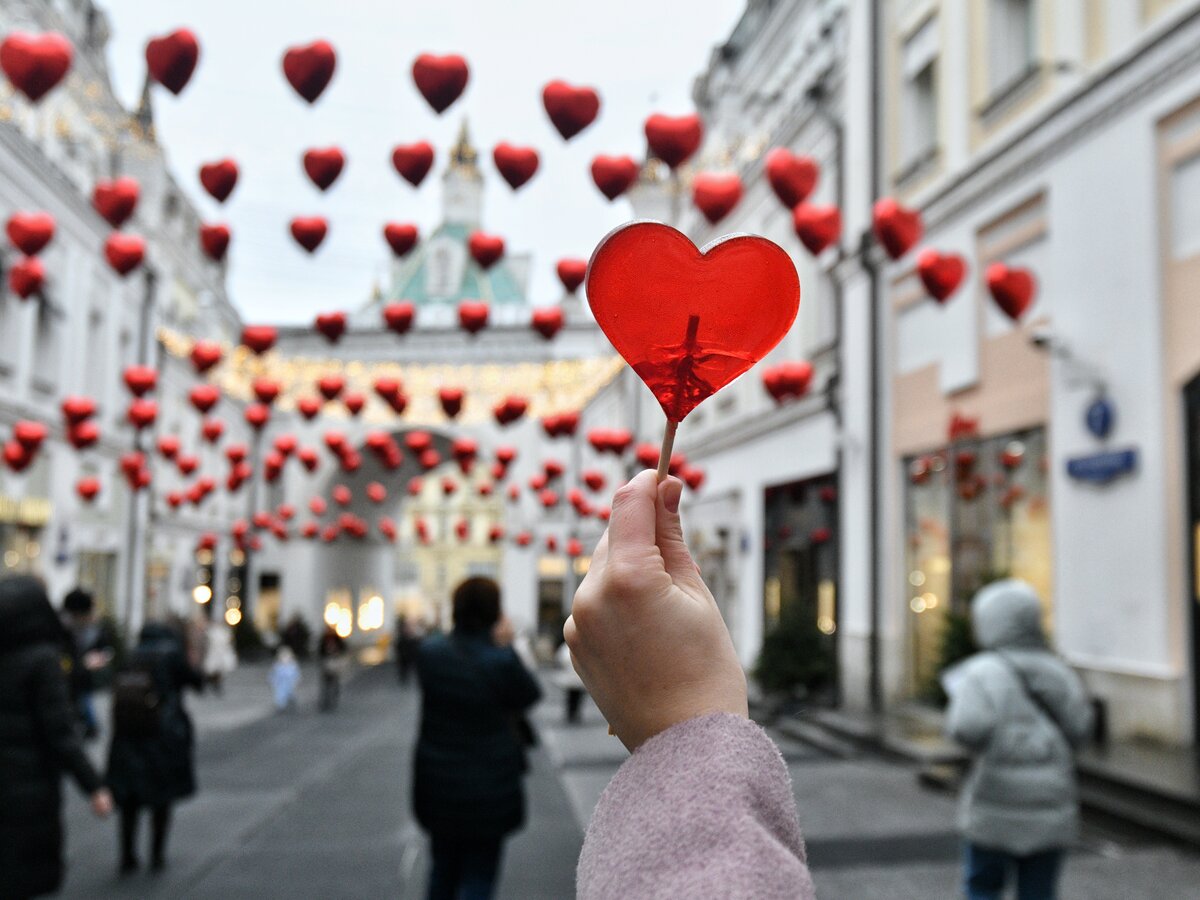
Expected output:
(704, 809)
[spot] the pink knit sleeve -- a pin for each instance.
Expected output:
(704, 809)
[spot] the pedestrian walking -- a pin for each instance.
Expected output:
(470, 753)
(570, 683)
(151, 759)
(91, 643)
(284, 678)
(407, 640)
(39, 741)
(331, 653)
(703, 808)
(220, 657)
(1022, 712)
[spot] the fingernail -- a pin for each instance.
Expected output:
(672, 491)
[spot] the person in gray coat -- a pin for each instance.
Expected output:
(1022, 712)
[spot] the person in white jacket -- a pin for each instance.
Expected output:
(220, 657)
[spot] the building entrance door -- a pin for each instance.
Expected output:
(1191, 397)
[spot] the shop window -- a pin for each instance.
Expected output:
(1185, 211)
(1010, 41)
(918, 134)
(976, 510)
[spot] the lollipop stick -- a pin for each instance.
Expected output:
(668, 444)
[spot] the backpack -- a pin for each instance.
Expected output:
(137, 700)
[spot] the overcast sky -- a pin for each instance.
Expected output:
(642, 57)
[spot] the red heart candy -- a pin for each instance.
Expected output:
(451, 399)
(792, 177)
(330, 386)
(30, 232)
(259, 338)
(1012, 288)
(440, 79)
(308, 68)
(309, 231)
(27, 277)
(219, 178)
(124, 252)
(897, 227)
(817, 226)
(716, 194)
(332, 325)
(547, 321)
(324, 166)
(515, 164)
(35, 63)
(171, 59)
(941, 273)
(571, 109)
(401, 237)
(204, 397)
(413, 161)
(571, 273)
(614, 175)
(674, 139)
(115, 200)
(473, 315)
(687, 320)
(214, 241)
(485, 249)
(398, 316)
(205, 355)
(88, 488)
(77, 409)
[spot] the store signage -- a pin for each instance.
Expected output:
(31, 511)
(1101, 468)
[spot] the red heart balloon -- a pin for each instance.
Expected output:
(332, 325)
(398, 316)
(88, 488)
(440, 79)
(485, 249)
(257, 415)
(515, 164)
(266, 390)
(309, 231)
(788, 379)
(219, 178)
(429, 459)
(510, 409)
(171, 59)
(124, 252)
(1012, 288)
(387, 387)
(376, 492)
(401, 237)
(690, 321)
(413, 161)
(716, 194)
(547, 321)
(614, 175)
(168, 446)
(330, 386)
(30, 232)
(897, 227)
(308, 458)
(323, 166)
(571, 109)
(354, 403)
(792, 177)
(30, 434)
(214, 241)
(27, 277)
(115, 200)
(204, 397)
(308, 68)
(259, 338)
(451, 399)
(35, 63)
(77, 409)
(473, 315)
(674, 139)
(142, 413)
(571, 273)
(83, 434)
(418, 441)
(309, 407)
(941, 273)
(205, 355)
(817, 226)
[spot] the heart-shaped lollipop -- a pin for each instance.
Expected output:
(690, 320)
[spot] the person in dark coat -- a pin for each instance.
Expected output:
(470, 757)
(38, 742)
(331, 650)
(92, 646)
(153, 766)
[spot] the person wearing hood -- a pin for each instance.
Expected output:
(1022, 713)
(151, 758)
(38, 742)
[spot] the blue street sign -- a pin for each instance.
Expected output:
(1100, 417)
(1101, 468)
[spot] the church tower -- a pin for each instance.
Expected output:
(462, 184)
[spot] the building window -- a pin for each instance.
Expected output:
(919, 114)
(1185, 211)
(46, 353)
(1010, 40)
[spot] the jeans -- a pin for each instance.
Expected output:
(987, 870)
(464, 870)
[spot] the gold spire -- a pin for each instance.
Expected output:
(463, 155)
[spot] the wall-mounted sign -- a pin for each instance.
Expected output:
(1101, 468)
(1100, 417)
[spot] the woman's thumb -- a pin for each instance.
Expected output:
(668, 533)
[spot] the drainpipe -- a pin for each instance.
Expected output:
(874, 675)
